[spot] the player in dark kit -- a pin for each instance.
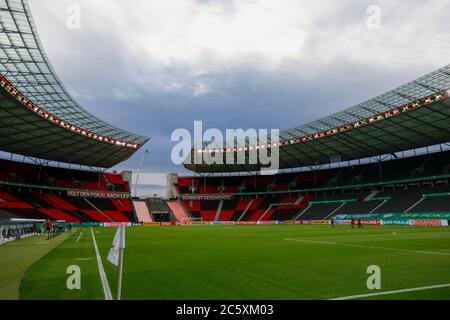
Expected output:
(48, 228)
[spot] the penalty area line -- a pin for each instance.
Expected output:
(103, 278)
(385, 293)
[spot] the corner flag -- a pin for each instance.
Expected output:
(118, 243)
(115, 255)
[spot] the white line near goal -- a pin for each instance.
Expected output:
(385, 293)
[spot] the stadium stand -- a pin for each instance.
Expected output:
(408, 168)
(5, 215)
(42, 122)
(41, 192)
(410, 117)
(193, 207)
(415, 184)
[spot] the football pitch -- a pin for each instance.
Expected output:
(256, 262)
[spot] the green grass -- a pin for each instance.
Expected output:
(16, 257)
(249, 262)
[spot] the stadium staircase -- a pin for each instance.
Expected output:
(249, 204)
(297, 217)
(178, 211)
(142, 213)
(218, 212)
(378, 206)
(410, 209)
(334, 211)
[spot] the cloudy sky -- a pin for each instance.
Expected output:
(152, 66)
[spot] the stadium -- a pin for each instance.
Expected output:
(366, 186)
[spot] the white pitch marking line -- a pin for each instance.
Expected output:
(383, 293)
(83, 259)
(103, 277)
(78, 239)
(385, 234)
(370, 247)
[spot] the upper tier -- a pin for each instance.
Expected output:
(400, 171)
(38, 116)
(411, 116)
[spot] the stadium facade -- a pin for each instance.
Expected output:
(385, 160)
(411, 116)
(40, 119)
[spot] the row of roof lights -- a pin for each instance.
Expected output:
(5, 84)
(344, 128)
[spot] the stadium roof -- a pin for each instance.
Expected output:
(38, 116)
(414, 115)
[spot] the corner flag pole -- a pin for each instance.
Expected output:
(119, 280)
(121, 248)
(115, 256)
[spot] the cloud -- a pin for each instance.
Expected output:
(206, 35)
(150, 178)
(149, 191)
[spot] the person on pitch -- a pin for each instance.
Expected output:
(48, 228)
